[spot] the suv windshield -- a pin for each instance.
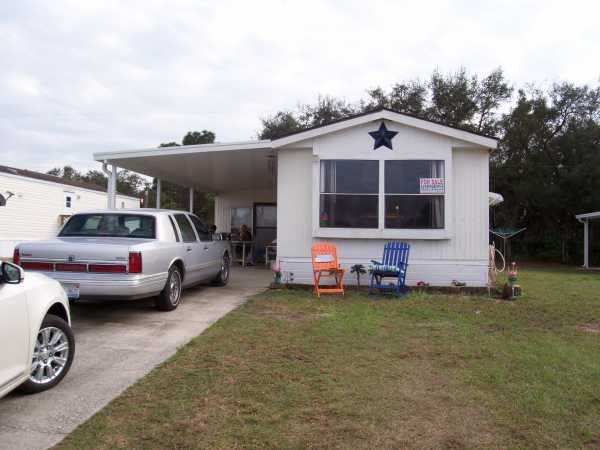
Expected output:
(111, 225)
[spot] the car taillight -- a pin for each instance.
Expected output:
(135, 262)
(16, 257)
(107, 268)
(33, 265)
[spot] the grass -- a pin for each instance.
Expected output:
(289, 371)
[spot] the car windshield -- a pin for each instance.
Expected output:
(111, 225)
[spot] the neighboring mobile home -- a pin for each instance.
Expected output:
(38, 204)
(358, 183)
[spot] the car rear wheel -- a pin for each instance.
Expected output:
(222, 277)
(170, 297)
(52, 355)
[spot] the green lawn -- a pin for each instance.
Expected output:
(290, 371)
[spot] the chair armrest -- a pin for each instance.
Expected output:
(376, 262)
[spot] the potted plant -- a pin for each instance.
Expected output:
(358, 269)
(276, 272)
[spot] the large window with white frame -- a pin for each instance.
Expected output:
(349, 194)
(414, 194)
(411, 195)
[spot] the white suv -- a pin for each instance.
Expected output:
(35, 325)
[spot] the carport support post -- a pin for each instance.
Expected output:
(158, 185)
(191, 200)
(586, 243)
(111, 191)
(113, 186)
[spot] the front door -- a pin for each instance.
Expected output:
(265, 227)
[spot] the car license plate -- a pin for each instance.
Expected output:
(72, 290)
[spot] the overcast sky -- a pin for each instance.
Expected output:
(82, 76)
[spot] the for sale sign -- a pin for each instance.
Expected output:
(432, 185)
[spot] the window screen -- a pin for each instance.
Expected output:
(414, 194)
(349, 194)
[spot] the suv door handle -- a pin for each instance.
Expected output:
(206, 247)
(189, 248)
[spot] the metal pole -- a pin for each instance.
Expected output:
(586, 243)
(113, 187)
(158, 186)
(191, 200)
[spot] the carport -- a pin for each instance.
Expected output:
(242, 175)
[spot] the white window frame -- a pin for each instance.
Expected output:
(381, 232)
(67, 194)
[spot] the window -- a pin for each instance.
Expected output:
(110, 225)
(349, 194)
(187, 233)
(201, 229)
(239, 217)
(174, 229)
(414, 194)
(68, 200)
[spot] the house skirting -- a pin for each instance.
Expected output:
(434, 272)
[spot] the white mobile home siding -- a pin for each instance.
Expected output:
(459, 252)
(34, 211)
(224, 202)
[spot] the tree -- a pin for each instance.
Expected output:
(280, 124)
(409, 97)
(174, 196)
(198, 137)
(131, 183)
(456, 99)
(66, 173)
(548, 166)
(453, 98)
(327, 109)
(128, 183)
(490, 94)
(169, 144)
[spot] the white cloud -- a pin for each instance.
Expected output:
(85, 76)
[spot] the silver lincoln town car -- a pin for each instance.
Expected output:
(129, 254)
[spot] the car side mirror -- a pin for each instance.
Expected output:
(11, 273)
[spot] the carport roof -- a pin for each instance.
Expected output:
(207, 168)
(234, 166)
(592, 215)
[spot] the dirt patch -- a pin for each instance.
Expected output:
(277, 311)
(593, 444)
(589, 327)
(287, 316)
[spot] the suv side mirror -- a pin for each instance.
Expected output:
(11, 273)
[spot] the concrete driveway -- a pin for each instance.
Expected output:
(116, 344)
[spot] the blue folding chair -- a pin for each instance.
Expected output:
(393, 265)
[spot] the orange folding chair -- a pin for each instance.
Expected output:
(325, 264)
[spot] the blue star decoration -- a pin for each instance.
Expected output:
(382, 137)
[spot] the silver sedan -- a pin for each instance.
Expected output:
(129, 254)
